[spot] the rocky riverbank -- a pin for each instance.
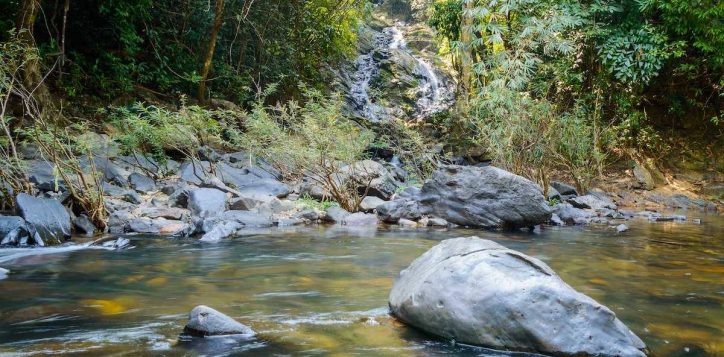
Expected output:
(226, 193)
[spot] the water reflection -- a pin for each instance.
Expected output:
(323, 291)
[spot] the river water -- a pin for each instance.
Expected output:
(323, 290)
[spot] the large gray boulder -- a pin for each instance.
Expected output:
(205, 321)
(484, 197)
(206, 202)
(47, 219)
(478, 292)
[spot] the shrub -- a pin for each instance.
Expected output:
(314, 140)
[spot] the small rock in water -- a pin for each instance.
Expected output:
(675, 217)
(696, 221)
(407, 223)
(120, 243)
(205, 321)
(621, 228)
(4, 273)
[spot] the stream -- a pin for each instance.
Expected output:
(323, 290)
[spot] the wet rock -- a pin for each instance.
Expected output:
(206, 202)
(478, 292)
(83, 225)
(47, 219)
(572, 215)
(289, 222)
(12, 230)
(402, 208)
(229, 223)
(590, 201)
(205, 321)
(360, 219)
(335, 214)
(437, 222)
(141, 183)
(407, 223)
(118, 221)
(564, 188)
(621, 228)
(156, 226)
(118, 244)
(484, 197)
(556, 220)
(369, 203)
(670, 218)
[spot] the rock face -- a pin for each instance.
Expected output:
(205, 321)
(47, 219)
(478, 292)
(484, 197)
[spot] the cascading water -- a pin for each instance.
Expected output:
(433, 94)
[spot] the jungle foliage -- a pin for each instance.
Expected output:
(562, 84)
(115, 48)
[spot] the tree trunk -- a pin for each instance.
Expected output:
(208, 58)
(466, 60)
(32, 78)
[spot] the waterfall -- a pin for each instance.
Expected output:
(432, 93)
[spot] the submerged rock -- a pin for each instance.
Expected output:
(484, 197)
(47, 219)
(205, 321)
(229, 223)
(478, 292)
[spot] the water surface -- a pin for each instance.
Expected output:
(323, 291)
